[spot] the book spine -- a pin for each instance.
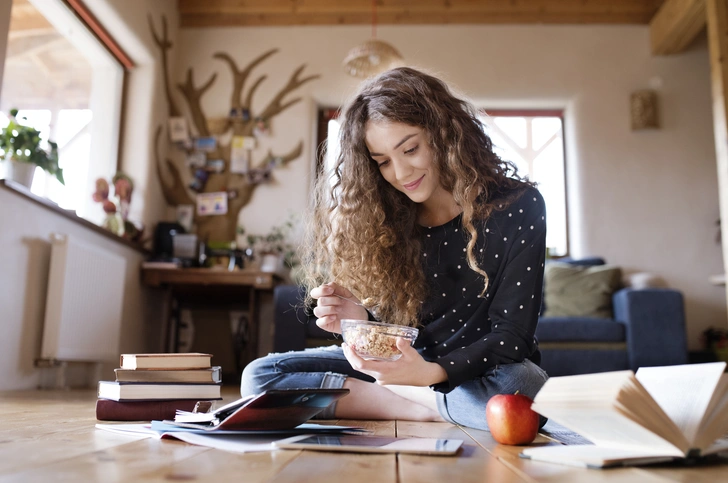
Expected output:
(153, 391)
(108, 410)
(192, 376)
(165, 361)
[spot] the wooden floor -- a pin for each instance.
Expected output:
(50, 436)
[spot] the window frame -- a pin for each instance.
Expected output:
(80, 11)
(79, 8)
(504, 112)
(325, 114)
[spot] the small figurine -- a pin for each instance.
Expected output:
(116, 220)
(261, 128)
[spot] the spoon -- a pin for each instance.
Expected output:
(350, 300)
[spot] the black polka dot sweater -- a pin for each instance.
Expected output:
(467, 334)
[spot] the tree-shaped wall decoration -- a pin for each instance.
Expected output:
(241, 185)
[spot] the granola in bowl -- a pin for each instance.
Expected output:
(375, 340)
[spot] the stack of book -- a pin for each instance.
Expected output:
(154, 386)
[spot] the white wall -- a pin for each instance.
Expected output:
(646, 201)
(24, 262)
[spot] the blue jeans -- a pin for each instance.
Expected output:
(326, 367)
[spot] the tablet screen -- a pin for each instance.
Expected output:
(372, 444)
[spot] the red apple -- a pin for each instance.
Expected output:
(511, 419)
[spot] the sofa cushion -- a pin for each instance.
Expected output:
(582, 329)
(582, 262)
(580, 291)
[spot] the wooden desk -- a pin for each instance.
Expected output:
(214, 286)
(50, 436)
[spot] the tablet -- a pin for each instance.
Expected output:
(371, 444)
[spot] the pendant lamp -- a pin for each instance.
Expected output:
(373, 56)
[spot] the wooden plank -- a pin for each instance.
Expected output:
(398, 12)
(336, 7)
(537, 471)
(472, 464)
(50, 436)
(324, 467)
(717, 13)
(321, 467)
(51, 446)
(44, 427)
(250, 20)
(128, 460)
(54, 439)
(675, 25)
(215, 465)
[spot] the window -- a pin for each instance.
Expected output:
(534, 142)
(328, 139)
(68, 84)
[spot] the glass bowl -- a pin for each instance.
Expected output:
(375, 341)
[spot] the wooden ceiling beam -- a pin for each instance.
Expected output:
(260, 20)
(208, 13)
(365, 6)
(675, 25)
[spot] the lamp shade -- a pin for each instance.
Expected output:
(371, 58)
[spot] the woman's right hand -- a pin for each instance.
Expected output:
(330, 308)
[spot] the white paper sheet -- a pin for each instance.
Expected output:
(683, 392)
(227, 442)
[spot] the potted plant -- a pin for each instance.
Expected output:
(274, 251)
(20, 147)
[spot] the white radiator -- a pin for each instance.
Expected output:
(84, 302)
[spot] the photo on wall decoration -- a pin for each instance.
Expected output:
(178, 132)
(200, 180)
(240, 151)
(215, 165)
(196, 159)
(261, 128)
(212, 203)
(206, 144)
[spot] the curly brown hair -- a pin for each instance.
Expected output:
(363, 233)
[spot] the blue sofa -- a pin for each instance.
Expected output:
(648, 329)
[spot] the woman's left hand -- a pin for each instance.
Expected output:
(409, 370)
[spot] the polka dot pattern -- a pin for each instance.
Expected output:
(507, 314)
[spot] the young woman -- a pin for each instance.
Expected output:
(423, 225)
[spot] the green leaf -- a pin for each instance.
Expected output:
(22, 143)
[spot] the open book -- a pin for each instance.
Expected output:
(658, 414)
(270, 410)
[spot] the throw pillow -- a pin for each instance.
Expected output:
(577, 291)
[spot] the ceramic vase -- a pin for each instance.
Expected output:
(270, 262)
(21, 173)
